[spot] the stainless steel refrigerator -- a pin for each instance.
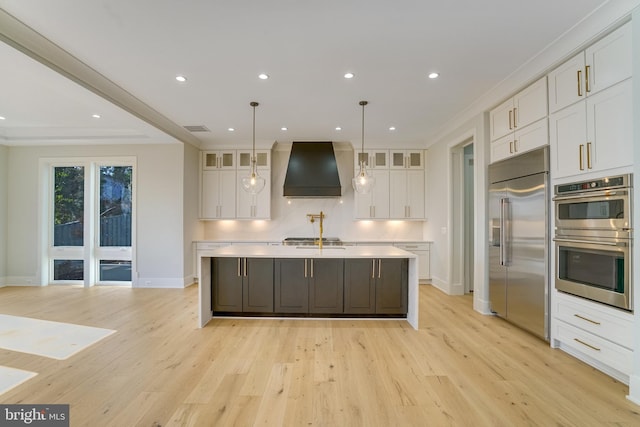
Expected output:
(519, 240)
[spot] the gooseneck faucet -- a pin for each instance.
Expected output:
(312, 218)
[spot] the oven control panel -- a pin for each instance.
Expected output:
(597, 184)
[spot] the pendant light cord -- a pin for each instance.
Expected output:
(363, 103)
(254, 105)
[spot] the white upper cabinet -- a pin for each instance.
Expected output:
(263, 159)
(602, 65)
(406, 194)
(219, 160)
(593, 135)
(520, 123)
(221, 193)
(374, 159)
(406, 159)
(528, 106)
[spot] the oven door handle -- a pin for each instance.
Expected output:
(590, 242)
(602, 193)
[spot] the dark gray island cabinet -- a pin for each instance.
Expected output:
(242, 285)
(303, 286)
(309, 285)
(367, 281)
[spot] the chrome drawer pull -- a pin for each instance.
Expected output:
(588, 320)
(585, 344)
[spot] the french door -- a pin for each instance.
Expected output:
(91, 222)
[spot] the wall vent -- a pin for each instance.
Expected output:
(197, 128)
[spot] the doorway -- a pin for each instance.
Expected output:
(463, 217)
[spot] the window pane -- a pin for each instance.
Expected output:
(115, 205)
(115, 271)
(68, 206)
(68, 269)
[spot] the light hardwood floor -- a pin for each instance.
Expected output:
(461, 368)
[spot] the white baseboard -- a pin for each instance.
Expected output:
(482, 306)
(160, 282)
(634, 389)
(21, 281)
(438, 283)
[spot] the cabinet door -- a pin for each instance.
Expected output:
(609, 60)
(392, 286)
(227, 190)
(254, 206)
(219, 160)
(566, 83)
(610, 128)
(326, 286)
(257, 288)
(226, 294)
(501, 119)
(415, 194)
(359, 286)
(530, 137)
(502, 148)
(210, 195)
(291, 285)
(398, 194)
(530, 105)
(374, 205)
(567, 136)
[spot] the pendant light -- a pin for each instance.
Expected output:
(253, 183)
(363, 182)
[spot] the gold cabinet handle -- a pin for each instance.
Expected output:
(510, 119)
(587, 319)
(510, 147)
(305, 267)
(586, 78)
(515, 119)
(585, 344)
(245, 267)
(515, 145)
(579, 82)
(239, 274)
(588, 155)
(373, 268)
(379, 267)
(581, 155)
(311, 267)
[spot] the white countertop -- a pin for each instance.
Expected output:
(264, 251)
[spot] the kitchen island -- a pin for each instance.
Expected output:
(375, 258)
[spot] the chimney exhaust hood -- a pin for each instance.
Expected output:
(312, 171)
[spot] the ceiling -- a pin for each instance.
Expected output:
(305, 47)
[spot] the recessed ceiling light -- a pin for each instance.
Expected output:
(263, 76)
(2, 118)
(433, 75)
(349, 75)
(96, 116)
(284, 128)
(181, 79)
(338, 128)
(392, 128)
(231, 129)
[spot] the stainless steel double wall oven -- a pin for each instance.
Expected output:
(593, 240)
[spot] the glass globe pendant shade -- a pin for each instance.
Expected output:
(363, 182)
(253, 183)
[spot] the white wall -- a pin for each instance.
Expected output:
(159, 185)
(4, 152)
(288, 216)
(193, 227)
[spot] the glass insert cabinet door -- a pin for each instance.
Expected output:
(91, 221)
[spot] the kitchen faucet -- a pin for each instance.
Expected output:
(312, 219)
